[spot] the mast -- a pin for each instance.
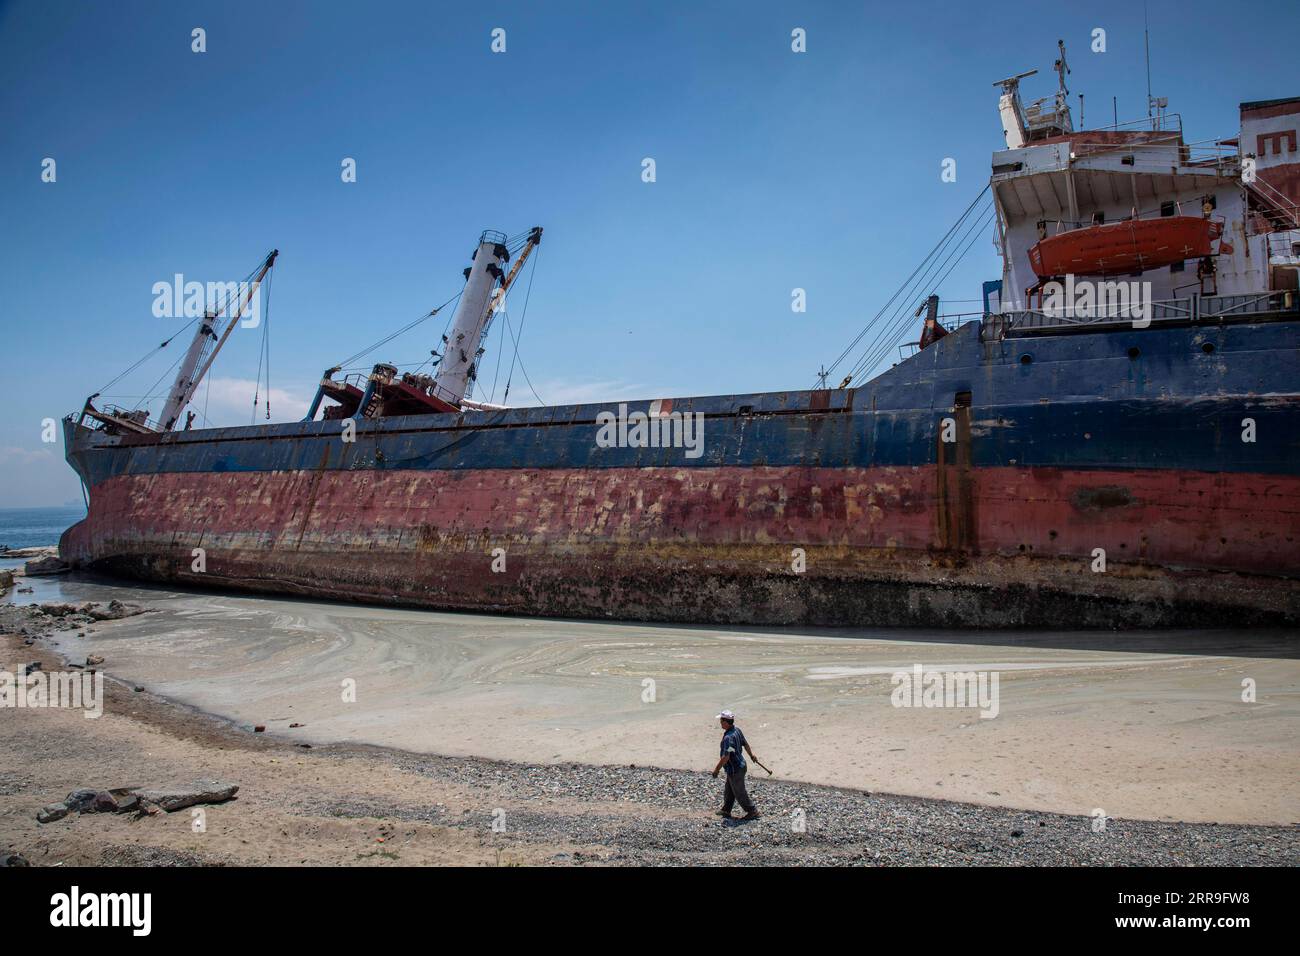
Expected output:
(1063, 92)
(1146, 45)
(212, 329)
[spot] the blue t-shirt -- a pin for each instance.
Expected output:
(733, 743)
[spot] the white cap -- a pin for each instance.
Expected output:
(726, 715)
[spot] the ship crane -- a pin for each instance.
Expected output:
(207, 343)
(213, 330)
(486, 286)
(388, 393)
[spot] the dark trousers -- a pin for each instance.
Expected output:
(734, 791)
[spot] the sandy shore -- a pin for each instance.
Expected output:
(1147, 725)
(346, 804)
(1154, 732)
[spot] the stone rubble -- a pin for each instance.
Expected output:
(137, 799)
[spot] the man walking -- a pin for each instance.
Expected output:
(733, 742)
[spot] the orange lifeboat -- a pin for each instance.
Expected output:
(1117, 248)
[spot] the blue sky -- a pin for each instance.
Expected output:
(775, 170)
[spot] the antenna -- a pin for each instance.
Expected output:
(1063, 93)
(1146, 40)
(1061, 67)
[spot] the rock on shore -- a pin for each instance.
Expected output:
(45, 551)
(50, 565)
(43, 560)
(42, 620)
(127, 799)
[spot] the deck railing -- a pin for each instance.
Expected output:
(1193, 309)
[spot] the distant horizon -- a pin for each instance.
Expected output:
(66, 504)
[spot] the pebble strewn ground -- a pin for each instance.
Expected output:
(665, 819)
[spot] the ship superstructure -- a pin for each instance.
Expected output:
(1055, 184)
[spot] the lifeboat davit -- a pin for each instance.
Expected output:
(1117, 248)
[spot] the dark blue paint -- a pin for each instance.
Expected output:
(1083, 402)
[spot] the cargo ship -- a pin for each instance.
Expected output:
(1112, 440)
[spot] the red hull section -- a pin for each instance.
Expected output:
(1118, 248)
(887, 545)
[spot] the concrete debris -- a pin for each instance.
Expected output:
(178, 798)
(143, 801)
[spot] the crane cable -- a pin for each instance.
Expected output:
(527, 295)
(938, 248)
(168, 341)
(264, 352)
(899, 320)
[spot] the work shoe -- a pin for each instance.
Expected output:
(751, 815)
(721, 813)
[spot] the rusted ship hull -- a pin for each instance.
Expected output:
(965, 487)
(597, 544)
